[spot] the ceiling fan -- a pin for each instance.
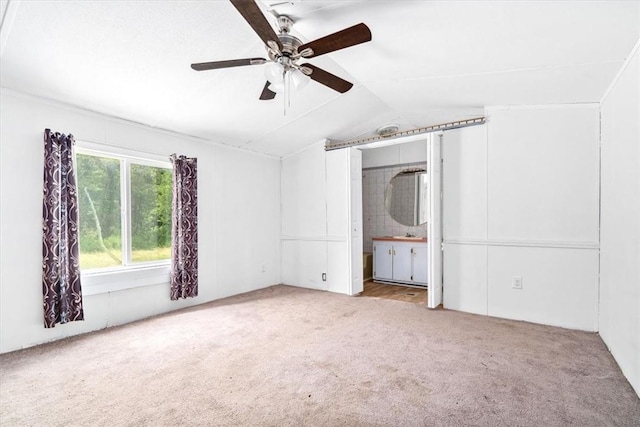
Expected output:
(285, 51)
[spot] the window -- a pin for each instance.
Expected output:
(124, 210)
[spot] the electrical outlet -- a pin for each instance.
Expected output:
(516, 282)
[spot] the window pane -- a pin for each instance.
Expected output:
(150, 213)
(99, 211)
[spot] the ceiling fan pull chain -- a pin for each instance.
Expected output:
(285, 83)
(289, 88)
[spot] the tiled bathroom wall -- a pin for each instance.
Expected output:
(376, 220)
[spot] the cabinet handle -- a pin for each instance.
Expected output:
(394, 251)
(389, 251)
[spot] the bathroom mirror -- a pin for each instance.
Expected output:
(405, 197)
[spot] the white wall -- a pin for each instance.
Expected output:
(396, 154)
(620, 220)
(521, 199)
(316, 220)
(239, 219)
(304, 218)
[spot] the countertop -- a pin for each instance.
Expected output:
(400, 239)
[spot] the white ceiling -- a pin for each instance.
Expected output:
(429, 62)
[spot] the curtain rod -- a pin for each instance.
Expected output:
(334, 145)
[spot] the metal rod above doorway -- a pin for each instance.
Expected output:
(334, 145)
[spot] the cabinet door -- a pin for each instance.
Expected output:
(402, 262)
(420, 259)
(382, 261)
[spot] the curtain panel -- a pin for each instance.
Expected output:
(61, 289)
(184, 235)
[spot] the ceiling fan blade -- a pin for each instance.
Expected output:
(202, 66)
(351, 36)
(267, 93)
(253, 15)
(328, 79)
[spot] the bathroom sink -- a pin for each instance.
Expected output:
(408, 238)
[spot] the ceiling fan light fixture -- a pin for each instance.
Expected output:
(274, 72)
(299, 79)
(276, 87)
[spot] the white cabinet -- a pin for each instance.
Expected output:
(420, 257)
(400, 262)
(382, 261)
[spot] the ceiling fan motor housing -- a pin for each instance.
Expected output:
(290, 44)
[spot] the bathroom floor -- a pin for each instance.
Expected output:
(396, 292)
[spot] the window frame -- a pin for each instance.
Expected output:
(130, 274)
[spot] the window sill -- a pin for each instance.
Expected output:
(99, 282)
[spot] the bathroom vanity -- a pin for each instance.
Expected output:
(402, 260)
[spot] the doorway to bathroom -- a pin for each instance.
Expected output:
(401, 219)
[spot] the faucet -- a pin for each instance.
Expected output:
(410, 235)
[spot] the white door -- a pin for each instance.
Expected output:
(402, 262)
(338, 224)
(434, 229)
(355, 233)
(420, 267)
(382, 261)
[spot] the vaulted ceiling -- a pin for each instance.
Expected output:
(429, 62)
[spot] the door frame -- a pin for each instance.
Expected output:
(355, 166)
(435, 231)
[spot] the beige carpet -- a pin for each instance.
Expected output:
(288, 356)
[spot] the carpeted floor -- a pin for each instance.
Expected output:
(289, 356)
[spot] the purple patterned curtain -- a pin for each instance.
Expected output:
(60, 266)
(184, 237)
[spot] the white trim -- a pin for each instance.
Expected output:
(127, 275)
(125, 210)
(487, 211)
(94, 283)
(395, 141)
(620, 72)
(523, 243)
(395, 165)
(349, 223)
(110, 151)
(316, 238)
